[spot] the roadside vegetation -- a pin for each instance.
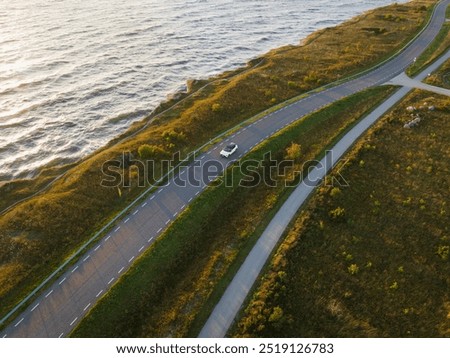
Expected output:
(371, 259)
(171, 290)
(39, 233)
(441, 78)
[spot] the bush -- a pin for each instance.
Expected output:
(147, 151)
(337, 213)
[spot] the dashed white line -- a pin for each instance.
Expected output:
(99, 293)
(19, 322)
(168, 221)
(203, 157)
(117, 229)
(35, 307)
(190, 200)
(111, 281)
(62, 334)
(174, 215)
(76, 268)
(4, 336)
(131, 259)
(60, 282)
(121, 270)
(97, 248)
(85, 308)
(150, 239)
(143, 205)
(126, 220)
(198, 192)
(108, 238)
(87, 257)
(73, 321)
(182, 207)
(142, 248)
(153, 197)
(160, 190)
(136, 212)
(48, 294)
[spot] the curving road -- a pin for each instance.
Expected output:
(57, 311)
(230, 303)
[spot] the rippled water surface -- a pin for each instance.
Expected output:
(75, 73)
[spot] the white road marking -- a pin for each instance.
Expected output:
(118, 228)
(168, 221)
(160, 190)
(150, 239)
(108, 238)
(85, 308)
(120, 270)
(182, 207)
(60, 282)
(143, 204)
(62, 334)
(203, 157)
(175, 214)
(153, 197)
(126, 220)
(190, 200)
(74, 321)
(198, 192)
(48, 294)
(97, 248)
(35, 307)
(111, 281)
(131, 259)
(98, 294)
(19, 322)
(142, 248)
(84, 260)
(4, 336)
(76, 268)
(136, 212)
(159, 230)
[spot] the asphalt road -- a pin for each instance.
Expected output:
(57, 311)
(234, 296)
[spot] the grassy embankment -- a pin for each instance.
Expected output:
(167, 290)
(39, 233)
(440, 45)
(371, 259)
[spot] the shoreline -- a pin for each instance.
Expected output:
(76, 198)
(62, 162)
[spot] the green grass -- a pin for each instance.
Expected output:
(439, 46)
(381, 269)
(178, 282)
(39, 233)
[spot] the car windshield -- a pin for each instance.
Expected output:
(230, 147)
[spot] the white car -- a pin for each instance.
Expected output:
(228, 150)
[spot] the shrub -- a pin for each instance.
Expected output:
(353, 269)
(337, 213)
(216, 107)
(147, 151)
(443, 252)
(335, 192)
(293, 152)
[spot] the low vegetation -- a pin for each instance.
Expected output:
(39, 233)
(170, 291)
(382, 269)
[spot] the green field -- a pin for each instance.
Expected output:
(370, 259)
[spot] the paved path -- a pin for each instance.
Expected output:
(57, 310)
(229, 305)
(405, 81)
